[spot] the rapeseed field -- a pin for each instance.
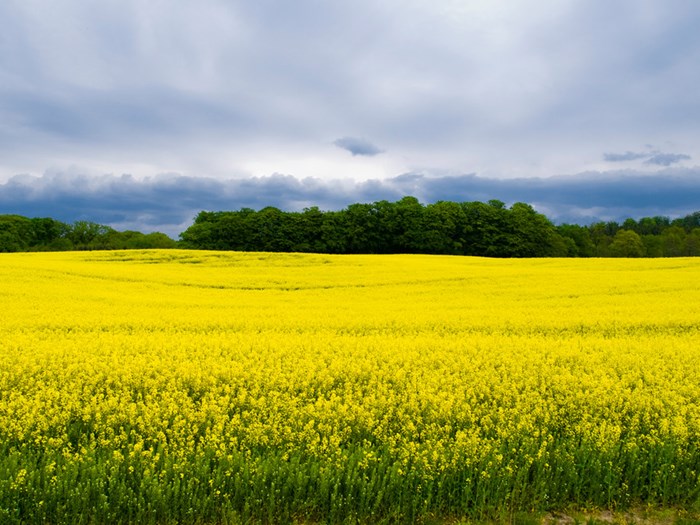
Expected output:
(164, 387)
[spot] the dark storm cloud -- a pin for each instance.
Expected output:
(585, 197)
(169, 203)
(358, 146)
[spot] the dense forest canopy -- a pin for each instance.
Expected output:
(466, 228)
(488, 229)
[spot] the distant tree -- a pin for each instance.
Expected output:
(445, 227)
(202, 233)
(693, 242)
(581, 243)
(47, 232)
(466, 228)
(630, 224)
(132, 240)
(653, 245)
(272, 230)
(627, 243)
(486, 234)
(16, 233)
(532, 234)
(86, 235)
(673, 241)
(689, 222)
(611, 228)
(406, 226)
(19, 233)
(652, 225)
(333, 232)
(362, 229)
(9, 242)
(601, 239)
(310, 226)
(234, 230)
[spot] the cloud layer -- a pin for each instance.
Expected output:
(222, 89)
(169, 203)
(343, 97)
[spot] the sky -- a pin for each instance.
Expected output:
(140, 113)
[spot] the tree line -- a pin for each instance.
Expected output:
(488, 229)
(451, 228)
(20, 234)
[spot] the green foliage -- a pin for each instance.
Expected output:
(489, 229)
(660, 237)
(627, 243)
(578, 240)
(18, 234)
(449, 228)
(405, 226)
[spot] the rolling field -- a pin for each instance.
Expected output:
(207, 387)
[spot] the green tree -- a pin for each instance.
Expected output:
(16, 233)
(467, 228)
(310, 226)
(198, 236)
(485, 235)
(86, 235)
(333, 232)
(532, 234)
(627, 243)
(362, 229)
(445, 227)
(47, 232)
(689, 222)
(653, 245)
(235, 231)
(406, 226)
(673, 241)
(580, 237)
(630, 224)
(693, 242)
(601, 239)
(652, 225)
(132, 240)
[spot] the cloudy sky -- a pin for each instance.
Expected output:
(139, 113)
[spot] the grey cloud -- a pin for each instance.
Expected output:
(623, 157)
(655, 158)
(666, 159)
(358, 146)
(168, 203)
(613, 192)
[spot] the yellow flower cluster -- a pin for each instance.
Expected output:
(187, 386)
